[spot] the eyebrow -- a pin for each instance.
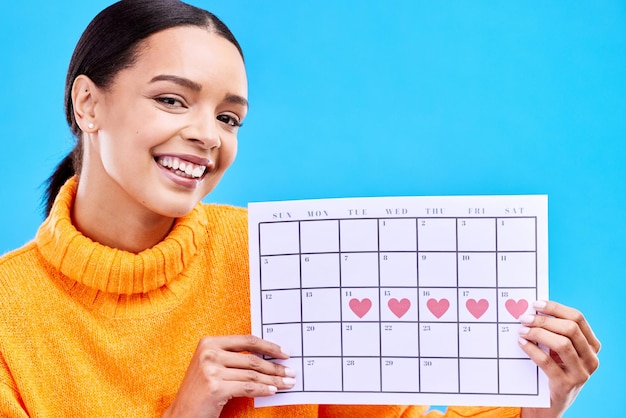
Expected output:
(233, 98)
(185, 82)
(192, 85)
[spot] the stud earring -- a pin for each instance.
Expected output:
(91, 126)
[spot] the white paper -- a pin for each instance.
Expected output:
(401, 300)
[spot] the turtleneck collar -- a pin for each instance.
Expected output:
(111, 270)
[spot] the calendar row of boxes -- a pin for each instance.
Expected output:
(398, 234)
(502, 269)
(389, 339)
(414, 375)
(505, 305)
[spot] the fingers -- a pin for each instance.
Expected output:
(223, 357)
(227, 367)
(563, 337)
(573, 346)
(565, 312)
(247, 343)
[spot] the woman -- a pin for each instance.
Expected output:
(132, 300)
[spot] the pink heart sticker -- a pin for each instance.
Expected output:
(438, 307)
(360, 307)
(477, 308)
(399, 307)
(516, 309)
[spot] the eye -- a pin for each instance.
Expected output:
(230, 120)
(169, 101)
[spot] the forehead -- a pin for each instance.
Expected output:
(194, 53)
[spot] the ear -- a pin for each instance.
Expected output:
(85, 96)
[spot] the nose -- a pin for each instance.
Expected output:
(204, 131)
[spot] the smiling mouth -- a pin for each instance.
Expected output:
(181, 167)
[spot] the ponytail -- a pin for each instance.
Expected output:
(66, 169)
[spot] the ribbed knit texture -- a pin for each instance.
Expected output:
(91, 331)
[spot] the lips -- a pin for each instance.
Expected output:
(188, 166)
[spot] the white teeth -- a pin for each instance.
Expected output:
(182, 168)
(198, 171)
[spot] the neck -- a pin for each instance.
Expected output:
(116, 222)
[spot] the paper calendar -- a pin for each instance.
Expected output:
(405, 300)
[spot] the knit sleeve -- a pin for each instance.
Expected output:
(370, 411)
(10, 400)
(481, 412)
(379, 411)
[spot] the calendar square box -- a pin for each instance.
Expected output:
(398, 269)
(322, 374)
(477, 234)
(519, 377)
(398, 304)
(361, 339)
(478, 376)
(361, 374)
(477, 269)
(438, 375)
(288, 336)
(400, 375)
(321, 305)
(280, 272)
(319, 236)
(294, 364)
(517, 269)
(517, 234)
(279, 238)
(438, 340)
(280, 306)
(321, 339)
(359, 235)
(513, 303)
(397, 234)
(437, 304)
(508, 346)
(399, 339)
(436, 234)
(437, 269)
(359, 304)
(478, 340)
(359, 269)
(478, 305)
(320, 270)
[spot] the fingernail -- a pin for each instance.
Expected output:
(289, 381)
(272, 389)
(290, 372)
(527, 319)
(285, 351)
(523, 330)
(540, 304)
(522, 341)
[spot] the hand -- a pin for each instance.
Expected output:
(220, 371)
(572, 358)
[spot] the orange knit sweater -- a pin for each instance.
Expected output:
(91, 331)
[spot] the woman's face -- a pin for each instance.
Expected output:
(167, 126)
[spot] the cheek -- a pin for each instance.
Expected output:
(228, 154)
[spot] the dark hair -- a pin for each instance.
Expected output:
(109, 44)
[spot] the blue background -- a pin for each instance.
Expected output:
(358, 98)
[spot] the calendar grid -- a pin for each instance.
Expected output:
(346, 290)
